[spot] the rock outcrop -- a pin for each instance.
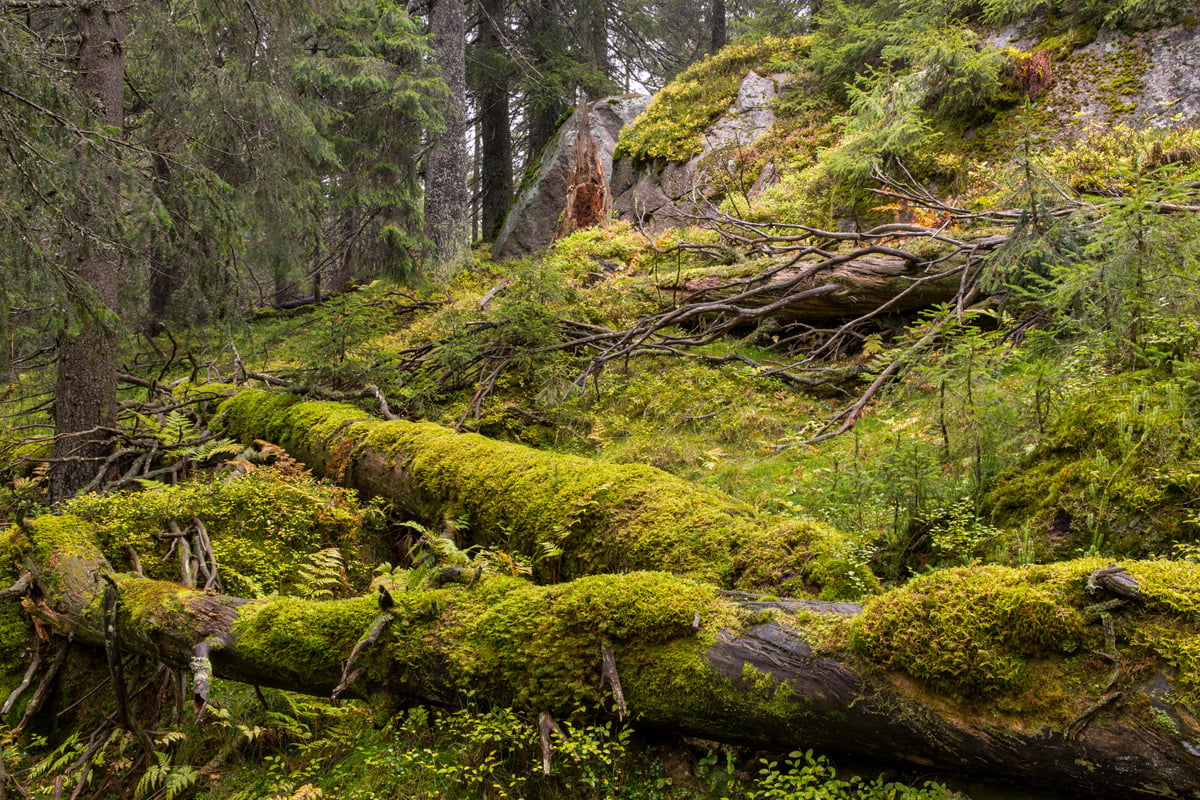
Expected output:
(533, 218)
(655, 195)
(1143, 79)
(660, 195)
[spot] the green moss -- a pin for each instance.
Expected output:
(302, 640)
(540, 647)
(595, 253)
(262, 525)
(671, 126)
(573, 515)
(1113, 471)
(1169, 629)
(975, 632)
(59, 542)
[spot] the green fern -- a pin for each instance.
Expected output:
(165, 779)
(321, 575)
(59, 759)
(214, 447)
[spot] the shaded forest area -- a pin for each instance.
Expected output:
(871, 475)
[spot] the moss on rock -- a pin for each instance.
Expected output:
(671, 127)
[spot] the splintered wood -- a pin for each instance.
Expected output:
(588, 198)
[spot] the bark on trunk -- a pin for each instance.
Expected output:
(572, 515)
(447, 205)
(546, 100)
(717, 26)
(85, 398)
(495, 122)
(689, 659)
(164, 271)
(848, 289)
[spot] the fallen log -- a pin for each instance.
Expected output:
(572, 516)
(833, 290)
(987, 670)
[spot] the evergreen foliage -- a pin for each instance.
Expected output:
(270, 152)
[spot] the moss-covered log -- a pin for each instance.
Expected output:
(1019, 673)
(573, 516)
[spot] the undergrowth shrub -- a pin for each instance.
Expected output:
(805, 776)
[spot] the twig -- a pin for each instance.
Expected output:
(201, 668)
(609, 676)
(547, 725)
(16, 693)
(349, 674)
(43, 687)
(112, 650)
(19, 587)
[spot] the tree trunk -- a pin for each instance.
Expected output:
(717, 25)
(867, 280)
(447, 205)
(598, 28)
(164, 269)
(495, 121)
(845, 290)
(571, 515)
(546, 100)
(85, 398)
(588, 199)
(782, 674)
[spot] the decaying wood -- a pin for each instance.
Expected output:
(351, 673)
(112, 650)
(520, 499)
(546, 726)
(588, 198)
(742, 677)
(609, 677)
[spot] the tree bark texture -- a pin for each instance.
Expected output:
(447, 207)
(717, 26)
(547, 99)
(1076, 702)
(165, 273)
(862, 285)
(495, 121)
(85, 403)
(572, 515)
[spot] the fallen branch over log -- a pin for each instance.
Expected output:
(988, 670)
(575, 516)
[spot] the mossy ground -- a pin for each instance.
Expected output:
(1016, 443)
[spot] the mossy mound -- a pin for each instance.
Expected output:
(263, 525)
(1114, 472)
(973, 632)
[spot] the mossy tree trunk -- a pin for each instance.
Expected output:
(985, 670)
(572, 516)
(447, 221)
